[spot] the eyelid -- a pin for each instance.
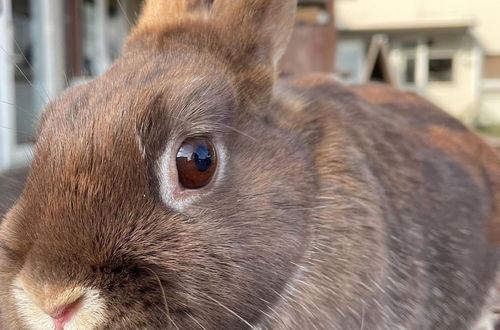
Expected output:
(171, 192)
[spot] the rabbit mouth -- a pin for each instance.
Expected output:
(52, 308)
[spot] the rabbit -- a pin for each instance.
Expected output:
(190, 188)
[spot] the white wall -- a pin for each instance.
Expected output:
(460, 97)
(490, 104)
(486, 13)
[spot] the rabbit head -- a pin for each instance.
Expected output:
(165, 194)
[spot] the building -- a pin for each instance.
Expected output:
(448, 51)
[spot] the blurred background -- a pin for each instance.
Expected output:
(448, 51)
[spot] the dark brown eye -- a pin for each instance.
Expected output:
(196, 163)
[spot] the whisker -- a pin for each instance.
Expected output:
(124, 12)
(240, 132)
(30, 66)
(14, 181)
(66, 80)
(363, 317)
(229, 310)
(11, 185)
(26, 134)
(227, 126)
(25, 77)
(196, 321)
(223, 306)
(26, 111)
(164, 297)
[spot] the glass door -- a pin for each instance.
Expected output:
(32, 65)
(7, 92)
(45, 46)
(29, 94)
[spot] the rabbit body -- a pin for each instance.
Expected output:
(411, 185)
(330, 208)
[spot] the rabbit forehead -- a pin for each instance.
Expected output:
(146, 97)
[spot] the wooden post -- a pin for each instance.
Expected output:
(312, 46)
(74, 47)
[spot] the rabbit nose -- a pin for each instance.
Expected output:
(42, 301)
(50, 305)
(63, 314)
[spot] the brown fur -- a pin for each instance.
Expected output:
(337, 208)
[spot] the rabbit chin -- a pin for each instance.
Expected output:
(89, 315)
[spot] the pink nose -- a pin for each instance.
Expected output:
(64, 313)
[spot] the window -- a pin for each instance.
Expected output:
(436, 67)
(350, 61)
(440, 69)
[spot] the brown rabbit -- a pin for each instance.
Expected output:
(188, 189)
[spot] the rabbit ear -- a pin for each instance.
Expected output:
(259, 28)
(159, 13)
(263, 26)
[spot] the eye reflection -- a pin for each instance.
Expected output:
(196, 162)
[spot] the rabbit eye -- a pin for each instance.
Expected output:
(196, 163)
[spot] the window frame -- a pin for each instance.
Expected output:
(441, 55)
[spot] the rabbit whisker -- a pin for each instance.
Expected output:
(16, 130)
(21, 109)
(33, 70)
(124, 12)
(27, 79)
(224, 125)
(229, 310)
(164, 297)
(362, 317)
(196, 321)
(240, 132)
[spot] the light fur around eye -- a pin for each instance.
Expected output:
(172, 192)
